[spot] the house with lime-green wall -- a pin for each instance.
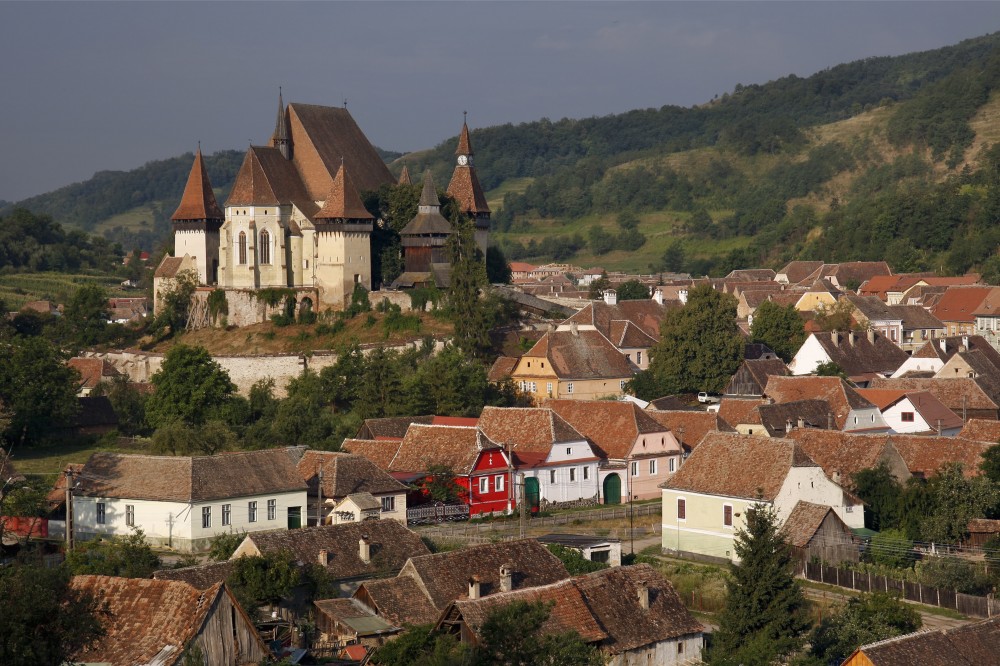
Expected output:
(705, 503)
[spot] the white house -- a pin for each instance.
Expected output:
(182, 502)
(861, 356)
(911, 412)
(333, 477)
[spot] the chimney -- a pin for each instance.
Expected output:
(611, 297)
(871, 336)
(965, 343)
(365, 549)
(802, 422)
(573, 329)
(473, 588)
(658, 296)
(643, 590)
(507, 578)
(944, 345)
(789, 425)
(850, 338)
(835, 338)
(836, 476)
(324, 557)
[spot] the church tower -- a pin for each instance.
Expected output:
(466, 190)
(280, 139)
(343, 242)
(197, 221)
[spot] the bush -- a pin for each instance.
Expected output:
(890, 548)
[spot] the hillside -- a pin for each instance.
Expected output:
(879, 157)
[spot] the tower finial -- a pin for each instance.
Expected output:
(279, 139)
(199, 145)
(464, 116)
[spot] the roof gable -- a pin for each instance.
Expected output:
(345, 474)
(532, 429)
(426, 446)
(343, 201)
(613, 426)
(198, 201)
(581, 355)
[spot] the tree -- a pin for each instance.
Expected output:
(601, 242)
(263, 580)
(44, 620)
(128, 402)
(189, 386)
(890, 548)
(765, 613)
(86, 315)
(632, 290)
(439, 484)
(575, 563)
(470, 314)
(830, 369)
(956, 500)
(836, 317)
(37, 389)
(864, 619)
(990, 465)
(779, 327)
(512, 634)
(420, 645)
(699, 348)
(225, 544)
(497, 267)
(128, 556)
(882, 495)
(598, 286)
(175, 304)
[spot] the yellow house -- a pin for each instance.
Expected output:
(574, 364)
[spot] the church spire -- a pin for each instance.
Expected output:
(404, 177)
(464, 144)
(198, 202)
(428, 196)
(343, 202)
(280, 137)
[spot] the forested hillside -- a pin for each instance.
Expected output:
(881, 157)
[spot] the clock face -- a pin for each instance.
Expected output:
(463, 160)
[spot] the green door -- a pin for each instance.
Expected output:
(612, 489)
(531, 493)
(294, 517)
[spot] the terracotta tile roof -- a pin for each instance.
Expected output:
(719, 465)
(612, 426)
(345, 474)
(871, 307)
(841, 397)
(322, 136)
(878, 285)
(146, 620)
(379, 451)
(404, 177)
(57, 496)
(198, 201)
(760, 369)
(645, 314)
(582, 355)
(968, 645)
(863, 356)
(400, 600)
(343, 201)
(840, 454)
(881, 398)
(670, 403)
(856, 271)
(502, 368)
(168, 267)
(200, 576)
(925, 455)
(933, 410)
(752, 274)
(266, 178)
(801, 525)
(626, 335)
(990, 307)
(466, 421)
(425, 446)
(689, 427)
(916, 318)
(953, 393)
(981, 430)
(959, 304)
(393, 426)
(92, 370)
(956, 343)
(797, 271)
(813, 413)
(392, 544)
(467, 191)
(190, 479)
(737, 411)
(527, 429)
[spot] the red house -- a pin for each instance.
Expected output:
(480, 466)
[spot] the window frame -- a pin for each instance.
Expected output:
(727, 513)
(264, 249)
(252, 511)
(272, 509)
(653, 466)
(552, 477)
(389, 504)
(206, 517)
(241, 244)
(907, 417)
(130, 515)
(227, 515)
(569, 387)
(498, 482)
(101, 513)
(634, 468)
(681, 508)
(484, 485)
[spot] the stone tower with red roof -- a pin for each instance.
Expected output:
(467, 191)
(197, 221)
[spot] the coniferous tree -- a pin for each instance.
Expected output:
(470, 313)
(765, 614)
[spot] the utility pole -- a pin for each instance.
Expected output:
(69, 509)
(521, 518)
(319, 502)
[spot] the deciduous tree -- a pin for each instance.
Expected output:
(779, 327)
(862, 620)
(189, 386)
(37, 389)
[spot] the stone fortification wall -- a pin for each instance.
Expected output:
(244, 307)
(400, 298)
(243, 370)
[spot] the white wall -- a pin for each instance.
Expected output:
(663, 653)
(564, 490)
(919, 365)
(810, 484)
(809, 355)
(865, 419)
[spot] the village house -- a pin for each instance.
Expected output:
(632, 444)
(632, 614)
(913, 412)
(689, 427)
(842, 455)
(593, 548)
(851, 412)
(428, 583)
(350, 552)
(92, 371)
(981, 430)
(975, 365)
(963, 395)
(183, 502)
(336, 478)
(558, 463)
(163, 622)
(849, 275)
(632, 327)
(752, 375)
(873, 315)
(348, 622)
(815, 531)
(973, 644)
(862, 356)
(958, 306)
(933, 354)
(705, 502)
(796, 271)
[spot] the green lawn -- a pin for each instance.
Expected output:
(52, 459)
(16, 289)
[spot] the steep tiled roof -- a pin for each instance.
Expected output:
(925, 455)
(981, 430)
(502, 368)
(856, 271)
(863, 356)
(342, 201)
(169, 267)
(626, 335)
(392, 426)
(646, 314)
(345, 474)
(404, 177)
(392, 544)
(200, 576)
(956, 343)
(322, 136)
(198, 201)
(916, 318)
(968, 645)
(760, 369)
(814, 414)
(736, 411)
(428, 220)
(796, 271)
(801, 525)
(871, 307)
(841, 397)
(613, 426)
(533, 429)
(720, 464)
(144, 619)
(190, 479)
(354, 615)
(379, 451)
(426, 446)
(92, 370)
(266, 178)
(581, 355)
(467, 191)
(400, 600)
(840, 454)
(690, 427)
(464, 142)
(881, 398)
(752, 274)
(953, 393)
(959, 304)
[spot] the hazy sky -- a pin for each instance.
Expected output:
(91, 86)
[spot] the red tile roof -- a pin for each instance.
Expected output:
(581, 355)
(801, 525)
(981, 430)
(198, 201)
(955, 393)
(92, 370)
(426, 446)
(834, 390)
(967, 645)
(690, 427)
(345, 474)
(342, 201)
(959, 304)
(611, 425)
(380, 451)
(842, 455)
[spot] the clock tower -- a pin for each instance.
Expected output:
(466, 190)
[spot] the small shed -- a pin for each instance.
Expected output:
(593, 548)
(356, 508)
(982, 530)
(816, 531)
(347, 621)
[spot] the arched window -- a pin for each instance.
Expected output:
(265, 247)
(243, 247)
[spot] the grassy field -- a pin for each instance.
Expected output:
(136, 219)
(16, 289)
(51, 459)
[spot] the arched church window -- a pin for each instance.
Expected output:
(265, 247)
(243, 247)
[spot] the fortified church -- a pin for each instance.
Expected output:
(295, 218)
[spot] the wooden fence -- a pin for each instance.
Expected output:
(966, 604)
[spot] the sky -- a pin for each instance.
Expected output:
(92, 86)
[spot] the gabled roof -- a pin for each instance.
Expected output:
(721, 464)
(955, 394)
(870, 353)
(390, 427)
(842, 455)
(391, 543)
(342, 201)
(796, 271)
(761, 369)
(200, 576)
(925, 455)
(613, 426)
(751, 274)
(426, 446)
(915, 317)
(689, 427)
(954, 344)
(801, 525)
(834, 390)
(345, 474)
(959, 304)
(924, 403)
(380, 452)
(813, 413)
(355, 616)
(170, 266)
(644, 314)
(981, 430)
(581, 355)
(190, 479)
(527, 429)
(266, 178)
(400, 600)
(150, 621)
(502, 368)
(871, 307)
(93, 370)
(738, 411)
(967, 645)
(198, 201)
